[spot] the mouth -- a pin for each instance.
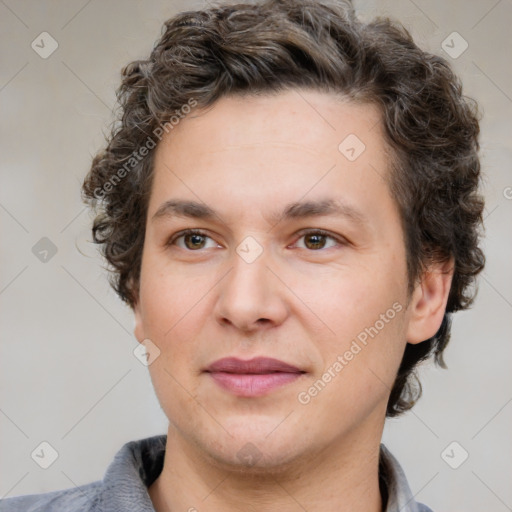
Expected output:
(255, 377)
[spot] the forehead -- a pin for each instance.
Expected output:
(270, 149)
(312, 120)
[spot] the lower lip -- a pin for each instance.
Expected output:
(253, 384)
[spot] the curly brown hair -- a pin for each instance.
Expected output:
(267, 47)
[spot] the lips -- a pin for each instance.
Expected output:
(258, 365)
(256, 377)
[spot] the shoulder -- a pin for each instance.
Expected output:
(84, 498)
(124, 486)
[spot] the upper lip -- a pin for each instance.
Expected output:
(257, 365)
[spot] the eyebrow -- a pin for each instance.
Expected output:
(295, 210)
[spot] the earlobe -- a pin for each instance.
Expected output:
(428, 302)
(138, 329)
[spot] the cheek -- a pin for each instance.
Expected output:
(176, 393)
(362, 313)
(171, 306)
(170, 299)
(361, 364)
(349, 300)
(175, 307)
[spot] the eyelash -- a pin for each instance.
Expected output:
(301, 234)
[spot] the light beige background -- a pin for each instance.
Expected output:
(68, 373)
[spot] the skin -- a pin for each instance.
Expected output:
(303, 300)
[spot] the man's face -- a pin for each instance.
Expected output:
(332, 304)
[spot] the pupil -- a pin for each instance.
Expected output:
(317, 240)
(195, 239)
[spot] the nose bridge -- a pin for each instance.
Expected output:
(250, 275)
(250, 292)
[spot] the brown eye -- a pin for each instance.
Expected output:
(316, 240)
(192, 240)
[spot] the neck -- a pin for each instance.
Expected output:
(342, 477)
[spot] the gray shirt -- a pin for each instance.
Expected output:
(137, 465)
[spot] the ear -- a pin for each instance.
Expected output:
(428, 301)
(138, 330)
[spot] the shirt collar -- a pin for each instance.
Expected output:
(134, 468)
(400, 497)
(139, 463)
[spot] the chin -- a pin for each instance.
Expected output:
(255, 448)
(249, 459)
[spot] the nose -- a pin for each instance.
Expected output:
(251, 296)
